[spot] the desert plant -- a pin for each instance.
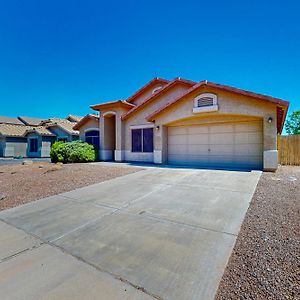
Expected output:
(57, 152)
(72, 152)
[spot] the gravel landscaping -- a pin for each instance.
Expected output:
(20, 184)
(265, 262)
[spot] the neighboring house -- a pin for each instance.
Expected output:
(202, 124)
(26, 141)
(32, 137)
(88, 128)
(62, 129)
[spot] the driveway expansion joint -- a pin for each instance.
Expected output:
(99, 269)
(21, 252)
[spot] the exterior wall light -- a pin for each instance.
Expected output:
(157, 127)
(270, 120)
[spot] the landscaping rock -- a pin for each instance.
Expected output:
(27, 162)
(265, 261)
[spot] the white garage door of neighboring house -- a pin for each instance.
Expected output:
(238, 145)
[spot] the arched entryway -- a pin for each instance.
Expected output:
(109, 138)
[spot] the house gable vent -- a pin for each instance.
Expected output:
(206, 102)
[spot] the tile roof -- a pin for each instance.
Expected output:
(63, 124)
(73, 118)
(85, 119)
(41, 130)
(9, 120)
(30, 121)
(22, 130)
(13, 130)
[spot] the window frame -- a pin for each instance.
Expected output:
(140, 148)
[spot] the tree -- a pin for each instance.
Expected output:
(293, 123)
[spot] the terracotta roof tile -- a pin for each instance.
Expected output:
(13, 130)
(9, 120)
(31, 121)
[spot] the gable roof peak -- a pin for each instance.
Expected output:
(147, 85)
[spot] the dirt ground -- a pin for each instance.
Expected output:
(265, 263)
(20, 184)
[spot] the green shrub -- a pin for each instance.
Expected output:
(57, 152)
(72, 152)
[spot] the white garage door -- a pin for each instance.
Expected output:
(238, 145)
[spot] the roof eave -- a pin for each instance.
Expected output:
(118, 103)
(221, 87)
(159, 93)
(147, 85)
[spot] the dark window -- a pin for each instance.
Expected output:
(92, 137)
(136, 140)
(148, 140)
(142, 140)
(33, 145)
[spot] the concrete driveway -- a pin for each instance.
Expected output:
(155, 234)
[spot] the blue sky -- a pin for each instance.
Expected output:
(59, 57)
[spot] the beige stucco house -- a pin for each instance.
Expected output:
(183, 122)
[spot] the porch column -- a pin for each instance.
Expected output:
(270, 143)
(160, 135)
(102, 132)
(119, 151)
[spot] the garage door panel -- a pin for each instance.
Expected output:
(177, 130)
(178, 149)
(222, 150)
(198, 139)
(217, 145)
(248, 149)
(248, 138)
(197, 129)
(198, 150)
(221, 128)
(178, 140)
(247, 160)
(221, 138)
(248, 127)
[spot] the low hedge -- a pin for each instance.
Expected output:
(73, 152)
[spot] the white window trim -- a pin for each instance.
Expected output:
(209, 108)
(142, 126)
(91, 129)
